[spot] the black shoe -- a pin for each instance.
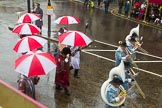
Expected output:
(58, 87)
(76, 73)
(67, 92)
(76, 77)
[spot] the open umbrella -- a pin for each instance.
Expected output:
(35, 63)
(29, 43)
(74, 38)
(26, 29)
(67, 20)
(28, 17)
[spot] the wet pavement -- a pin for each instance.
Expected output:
(85, 92)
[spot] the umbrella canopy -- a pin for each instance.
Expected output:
(67, 20)
(28, 17)
(26, 29)
(74, 38)
(29, 43)
(35, 63)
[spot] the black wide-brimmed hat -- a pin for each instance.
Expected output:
(66, 50)
(123, 43)
(116, 81)
(133, 39)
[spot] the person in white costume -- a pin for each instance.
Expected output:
(75, 60)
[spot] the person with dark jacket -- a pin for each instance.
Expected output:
(39, 11)
(106, 3)
(27, 85)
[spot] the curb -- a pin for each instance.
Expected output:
(114, 12)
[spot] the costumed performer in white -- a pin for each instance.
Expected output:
(75, 60)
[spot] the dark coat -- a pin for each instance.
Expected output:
(39, 22)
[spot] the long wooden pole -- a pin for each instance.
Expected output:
(138, 87)
(147, 5)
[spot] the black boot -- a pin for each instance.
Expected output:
(71, 67)
(58, 87)
(66, 91)
(76, 73)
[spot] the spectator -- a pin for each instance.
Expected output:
(99, 2)
(27, 85)
(39, 11)
(121, 2)
(127, 7)
(141, 14)
(106, 3)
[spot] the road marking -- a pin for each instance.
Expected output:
(98, 56)
(105, 43)
(155, 61)
(149, 72)
(136, 51)
(96, 50)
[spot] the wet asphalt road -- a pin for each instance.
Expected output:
(85, 92)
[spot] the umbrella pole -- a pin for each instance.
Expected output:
(67, 26)
(49, 26)
(86, 26)
(28, 4)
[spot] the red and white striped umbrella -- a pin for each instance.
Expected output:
(35, 63)
(67, 20)
(26, 29)
(74, 38)
(29, 43)
(28, 17)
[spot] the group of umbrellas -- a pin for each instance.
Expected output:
(36, 62)
(72, 37)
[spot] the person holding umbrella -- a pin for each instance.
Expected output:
(62, 69)
(27, 85)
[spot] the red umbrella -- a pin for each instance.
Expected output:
(26, 29)
(35, 63)
(67, 20)
(74, 38)
(28, 17)
(29, 43)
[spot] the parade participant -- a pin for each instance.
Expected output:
(75, 60)
(39, 11)
(62, 69)
(27, 85)
(131, 35)
(113, 92)
(122, 54)
(131, 45)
